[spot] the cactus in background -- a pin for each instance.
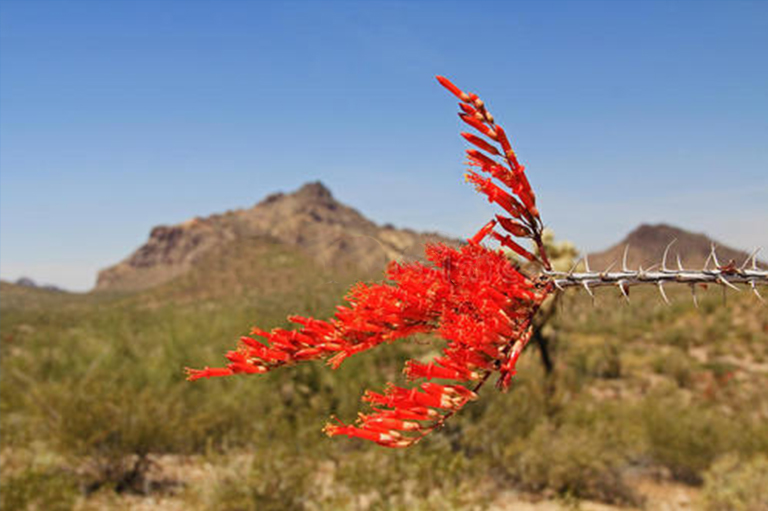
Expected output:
(476, 298)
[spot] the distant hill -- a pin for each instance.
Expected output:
(647, 244)
(23, 296)
(334, 236)
(28, 282)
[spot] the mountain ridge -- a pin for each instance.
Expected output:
(333, 234)
(338, 238)
(647, 243)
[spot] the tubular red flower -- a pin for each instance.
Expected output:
(512, 227)
(384, 422)
(507, 242)
(502, 174)
(445, 82)
(469, 110)
(479, 126)
(352, 431)
(208, 372)
(414, 413)
(480, 159)
(482, 233)
(497, 195)
(504, 141)
(479, 142)
(414, 370)
(526, 193)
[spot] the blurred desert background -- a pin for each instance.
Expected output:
(647, 406)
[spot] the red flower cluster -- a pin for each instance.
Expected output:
(497, 159)
(474, 297)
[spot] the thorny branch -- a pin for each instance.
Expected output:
(661, 274)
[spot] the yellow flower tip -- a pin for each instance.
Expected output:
(329, 429)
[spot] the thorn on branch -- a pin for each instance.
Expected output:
(660, 284)
(624, 289)
(624, 266)
(664, 257)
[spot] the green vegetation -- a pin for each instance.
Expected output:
(737, 484)
(94, 405)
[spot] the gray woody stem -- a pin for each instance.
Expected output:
(727, 275)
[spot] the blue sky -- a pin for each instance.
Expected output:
(119, 116)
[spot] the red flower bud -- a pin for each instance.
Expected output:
(208, 372)
(479, 142)
(496, 194)
(482, 233)
(479, 126)
(507, 242)
(502, 137)
(512, 227)
(480, 159)
(445, 82)
(414, 370)
(468, 109)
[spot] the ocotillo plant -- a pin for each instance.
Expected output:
(474, 297)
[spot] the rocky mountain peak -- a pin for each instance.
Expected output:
(308, 219)
(314, 191)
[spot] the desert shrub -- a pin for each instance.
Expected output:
(676, 336)
(435, 478)
(685, 437)
(489, 426)
(107, 390)
(736, 484)
(532, 439)
(113, 429)
(674, 364)
(275, 478)
(615, 423)
(547, 440)
(43, 488)
(572, 461)
(597, 360)
(266, 480)
(721, 370)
